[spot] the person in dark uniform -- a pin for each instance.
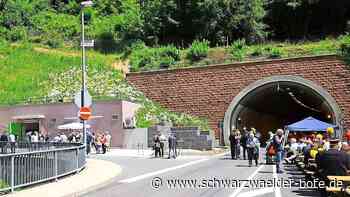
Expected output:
(332, 162)
(3, 142)
(232, 144)
(157, 146)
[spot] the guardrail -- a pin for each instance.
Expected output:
(22, 146)
(27, 168)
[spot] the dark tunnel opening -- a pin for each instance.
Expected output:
(275, 105)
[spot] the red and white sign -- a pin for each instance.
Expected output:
(85, 113)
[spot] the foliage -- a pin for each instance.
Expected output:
(146, 58)
(275, 53)
(345, 44)
(4, 184)
(225, 21)
(198, 50)
(258, 51)
(151, 114)
(16, 34)
(238, 49)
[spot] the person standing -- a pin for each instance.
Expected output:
(253, 149)
(162, 139)
(237, 144)
(104, 143)
(244, 141)
(278, 144)
(12, 139)
(172, 146)
(157, 146)
(232, 144)
(3, 141)
(109, 141)
(88, 142)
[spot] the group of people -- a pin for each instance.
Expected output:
(36, 136)
(159, 142)
(332, 156)
(100, 141)
(249, 141)
(7, 138)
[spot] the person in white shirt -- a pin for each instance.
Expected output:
(64, 138)
(35, 137)
(12, 140)
(57, 138)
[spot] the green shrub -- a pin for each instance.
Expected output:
(258, 51)
(105, 43)
(239, 44)
(238, 49)
(345, 45)
(17, 34)
(170, 51)
(55, 41)
(198, 50)
(275, 53)
(143, 58)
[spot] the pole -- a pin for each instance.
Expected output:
(83, 73)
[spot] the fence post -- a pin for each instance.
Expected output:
(56, 165)
(12, 173)
(77, 157)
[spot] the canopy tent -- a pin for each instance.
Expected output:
(309, 124)
(73, 126)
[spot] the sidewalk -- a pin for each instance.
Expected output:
(96, 174)
(146, 153)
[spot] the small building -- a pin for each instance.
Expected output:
(109, 116)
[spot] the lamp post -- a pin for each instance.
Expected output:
(83, 4)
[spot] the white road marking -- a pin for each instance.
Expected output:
(257, 192)
(140, 177)
(147, 175)
(238, 190)
(277, 189)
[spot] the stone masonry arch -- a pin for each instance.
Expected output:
(231, 113)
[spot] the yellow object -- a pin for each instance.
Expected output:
(313, 153)
(330, 131)
(319, 136)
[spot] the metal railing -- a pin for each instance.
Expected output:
(27, 168)
(23, 146)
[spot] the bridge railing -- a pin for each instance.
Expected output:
(27, 168)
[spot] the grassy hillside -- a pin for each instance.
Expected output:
(24, 68)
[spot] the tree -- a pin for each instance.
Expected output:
(225, 21)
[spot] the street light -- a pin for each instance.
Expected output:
(83, 4)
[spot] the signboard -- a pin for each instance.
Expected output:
(85, 113)
(87, 100)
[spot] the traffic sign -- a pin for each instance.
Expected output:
(87, 100)
(85, 113)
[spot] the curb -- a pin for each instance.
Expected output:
(97, 186)
(97, 174)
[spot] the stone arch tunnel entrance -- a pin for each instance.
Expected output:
(275, 102)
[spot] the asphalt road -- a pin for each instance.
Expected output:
(200, 176)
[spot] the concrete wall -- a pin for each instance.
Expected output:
(187, 137)
(208, 91)
(135, 137)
